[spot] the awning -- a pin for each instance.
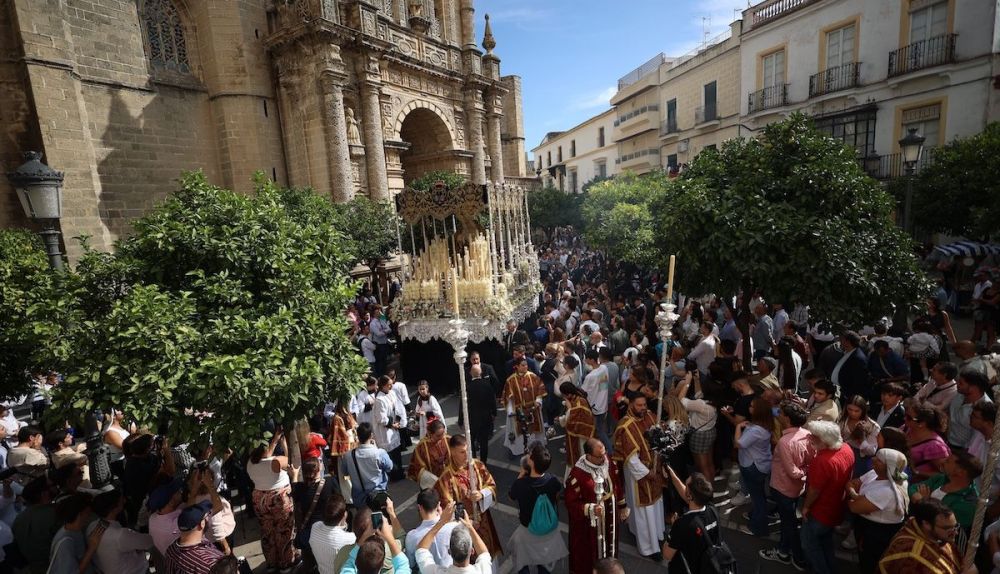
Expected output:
(968, 249)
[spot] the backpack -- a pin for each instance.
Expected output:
(543, 516)
(717, 558)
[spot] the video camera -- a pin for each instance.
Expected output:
(663, 440)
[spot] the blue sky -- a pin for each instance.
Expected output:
(570, 53)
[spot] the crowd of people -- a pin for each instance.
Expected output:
(874, 440)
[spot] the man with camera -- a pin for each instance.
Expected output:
(367, 465)
(474, 494)
(377, 541)
(523, 396)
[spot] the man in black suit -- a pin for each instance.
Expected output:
(482, 410)
(851, 371)
(891, 412)
(513, 337)
(487, 372)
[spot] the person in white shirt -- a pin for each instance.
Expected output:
(363, 403)
(329, 536)
(595, 384)
(942, 386)
(461, 543)
(780, 318)
(388, 416)
(704, 352)
(429, 507)
(121, 550)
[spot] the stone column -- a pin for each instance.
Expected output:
(494, 119)
(335, 130)
(468, 25)
(371, 114)
(474, 118)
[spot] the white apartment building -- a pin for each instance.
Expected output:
(868, 70)
(567, 160)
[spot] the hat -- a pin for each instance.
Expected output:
(192, 516)
(162, 494)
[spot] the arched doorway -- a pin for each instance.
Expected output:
(430, 143)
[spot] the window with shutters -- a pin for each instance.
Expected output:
(928, 21)
(927, 120)
(166, 46)
(773, 69)
(840, 47)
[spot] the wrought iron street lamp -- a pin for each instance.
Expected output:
(39, 187)
(873, 164)
(912, 146)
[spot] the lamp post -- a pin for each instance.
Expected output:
(39, 187)
(873, 164)
(912, 145)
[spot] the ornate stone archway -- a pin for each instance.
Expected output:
(427, 105)
(430, 141)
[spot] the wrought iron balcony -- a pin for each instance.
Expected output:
(704, 114)
(834, 79)
(923, 54)
(669, 126)
(891, 166)
(772, 10)
(767, 98)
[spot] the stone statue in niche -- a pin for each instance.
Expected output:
(353, 132)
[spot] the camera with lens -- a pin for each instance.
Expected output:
(662, 441)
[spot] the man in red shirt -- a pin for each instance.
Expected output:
(823, 508)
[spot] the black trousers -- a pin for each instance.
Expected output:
(396, 456)
(481, 442)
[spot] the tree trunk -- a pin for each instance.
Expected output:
(294, 453)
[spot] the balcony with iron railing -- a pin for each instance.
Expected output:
(636, 113)
(923, 54)
(834, 79)
(652, 65)
(891, 166)
(705, 114)
(767, 98)
(772, 10)
(668, 127)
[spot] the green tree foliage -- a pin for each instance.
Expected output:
(450, 179)
(793, 214)
(618, 218)
(959, 193)
(371, 229)
(25, 281)
(219, 303)
(549, 208)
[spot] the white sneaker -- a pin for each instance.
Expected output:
(739, 500)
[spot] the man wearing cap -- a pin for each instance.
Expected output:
(191, 553)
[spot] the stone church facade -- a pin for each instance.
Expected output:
(345, 96)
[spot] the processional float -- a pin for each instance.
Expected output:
(469, 267)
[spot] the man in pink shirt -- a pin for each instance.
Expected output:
(792, 455)
(823, 509)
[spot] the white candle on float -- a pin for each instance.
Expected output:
(454, 291)
(670, 279)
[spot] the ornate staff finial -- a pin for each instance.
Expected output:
(489, 42)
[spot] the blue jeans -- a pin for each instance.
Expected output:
(817, 544)
(753, 481)
(790, 543)
(601, 424)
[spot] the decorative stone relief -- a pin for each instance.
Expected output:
(368, 23)
(460, 129)
(387, 119)
(435, 56)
